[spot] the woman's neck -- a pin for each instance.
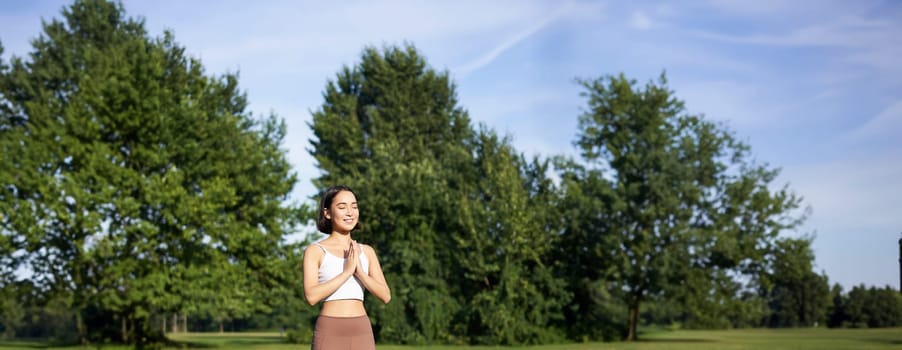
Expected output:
(341, 238)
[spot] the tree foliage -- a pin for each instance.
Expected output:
(684, 204)
(135, 189)
(504, 249)
(446, 206)
(391, 129)
(865, 307)
(798, 296)
(133, 181)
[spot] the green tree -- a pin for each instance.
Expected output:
(456, 215)
(854, 307)
(586, 252)
(798, 296)
(390, 128)
(504, 249)
(889, 301)
(12, 310)
(836, 313)
(136, 180)
(874, 307)
(685, 195)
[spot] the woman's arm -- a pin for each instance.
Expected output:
(375, 280)
(314, 291)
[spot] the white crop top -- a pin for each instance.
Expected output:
(332, 266)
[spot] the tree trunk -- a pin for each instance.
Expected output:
(185, 323)
(82, 329)
(175, 323)
(634, 318)
(220, 327)
(124, 330)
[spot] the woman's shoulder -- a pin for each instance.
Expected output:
(314, 247)
(367, 248)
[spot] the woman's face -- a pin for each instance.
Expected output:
(343, 212)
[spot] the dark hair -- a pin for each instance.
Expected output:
(325, 225)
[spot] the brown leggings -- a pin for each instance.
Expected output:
(343, 333)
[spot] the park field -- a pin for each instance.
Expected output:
(751, 339)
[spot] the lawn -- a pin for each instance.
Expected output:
(753, 339)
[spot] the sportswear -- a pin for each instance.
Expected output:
(332, 266)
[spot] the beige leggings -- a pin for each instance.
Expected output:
(343, 333)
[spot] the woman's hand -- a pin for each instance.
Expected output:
(359, 272)
(373, 280)
(352, 257)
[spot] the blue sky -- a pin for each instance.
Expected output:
(815, 87)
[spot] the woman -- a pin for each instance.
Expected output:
(336, 270)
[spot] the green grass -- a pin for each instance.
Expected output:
(752, 339)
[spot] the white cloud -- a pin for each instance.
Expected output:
(794, 11)
(887, 123)
(856, 206)
(844, 31)
(866, 40)
(753, 7)
(640, 21)
(490, 56)
(850, 195)
(465, 36)
(733, 102)
(885, 59)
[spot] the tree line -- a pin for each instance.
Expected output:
(142, 197)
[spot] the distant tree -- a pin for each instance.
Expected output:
(456, 214)
(836, 314)
(866, 307)
(685, 202)
(12, 310)
(505, 249)
(133, 183)
(390, 128)
(798, 296)
(883, 307)
(854, 307)
(725, 304)
(586, 253)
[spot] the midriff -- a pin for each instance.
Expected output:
(343, 308)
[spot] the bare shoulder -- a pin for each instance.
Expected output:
(313, 251)
(368, 249)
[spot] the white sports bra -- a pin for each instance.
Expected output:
(332, 266)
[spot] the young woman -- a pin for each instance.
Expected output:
(336, 271)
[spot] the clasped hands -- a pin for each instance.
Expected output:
(352, 260)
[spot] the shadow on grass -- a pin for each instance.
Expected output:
(18, 344)
(190, 345)
(223, 342)
(895, 341)
(35, 343)
(168, 343)
(676, 340)
(667, 336)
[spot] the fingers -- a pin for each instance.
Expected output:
(353, 258)
(351, 251)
